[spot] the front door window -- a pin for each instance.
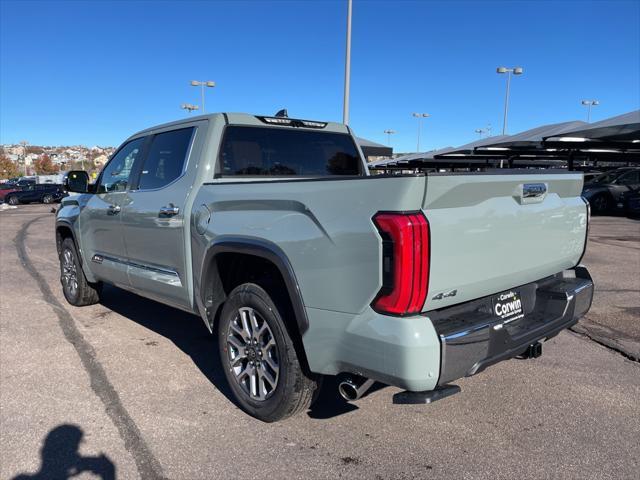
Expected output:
(115, 176)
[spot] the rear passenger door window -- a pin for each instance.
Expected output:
(166, 159)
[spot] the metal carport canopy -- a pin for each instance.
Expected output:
(530, 138)
(405, 160)
(621, 128)
(373, 149)
(615, 139)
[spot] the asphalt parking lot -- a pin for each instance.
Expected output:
(132, 389)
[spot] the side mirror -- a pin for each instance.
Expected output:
(77, 181)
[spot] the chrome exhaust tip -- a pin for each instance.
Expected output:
(352, 389)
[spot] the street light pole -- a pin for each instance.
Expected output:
(389, 132)
(589, 104)
(347, 67)
(508, 71)
(24, 144)
(208, 83)
(420, 116)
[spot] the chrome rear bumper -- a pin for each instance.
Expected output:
(472, 337)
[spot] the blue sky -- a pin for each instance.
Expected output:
(94, 72)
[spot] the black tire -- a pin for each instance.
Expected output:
(47, 198)
(80, 292)
(294, 389)
(12, 200)
(601, 203)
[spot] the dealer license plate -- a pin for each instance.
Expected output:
(508, 306)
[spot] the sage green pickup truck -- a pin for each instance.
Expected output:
(305, 265)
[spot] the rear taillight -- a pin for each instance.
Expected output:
(405, 262)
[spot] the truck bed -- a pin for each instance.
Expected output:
(485, 237)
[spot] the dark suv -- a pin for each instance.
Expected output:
(605, 191)
(46, 193)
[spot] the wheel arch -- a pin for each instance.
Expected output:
(63, 231)
(211, 292)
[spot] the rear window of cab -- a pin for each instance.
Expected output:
(282, 152)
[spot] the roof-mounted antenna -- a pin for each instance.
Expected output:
(282, 113)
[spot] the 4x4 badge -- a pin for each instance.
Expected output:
(440, 296)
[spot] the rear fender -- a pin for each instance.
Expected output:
(209, 292)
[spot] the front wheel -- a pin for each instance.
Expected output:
(600, 204)
(259, 357)
(12, 200)
(75, 287)
(47, 198)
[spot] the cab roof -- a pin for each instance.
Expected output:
(255, 120)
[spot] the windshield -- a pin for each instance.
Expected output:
(605, 178)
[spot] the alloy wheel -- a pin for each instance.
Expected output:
(69, 273)
(600, 203)
(253, 354)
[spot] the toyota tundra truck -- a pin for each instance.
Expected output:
(306, 265)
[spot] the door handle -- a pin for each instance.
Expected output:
(169, 210)
(113, 209)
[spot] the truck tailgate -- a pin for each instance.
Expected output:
(492, 232)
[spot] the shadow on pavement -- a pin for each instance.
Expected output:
(329, 403)
(61, 460)
(189, 334)
(186, 331)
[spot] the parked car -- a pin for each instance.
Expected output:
(604, 191)
(272, 230)
(47, 193)
(22, 181)
(6, 189)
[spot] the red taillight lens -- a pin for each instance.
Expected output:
(405, 262)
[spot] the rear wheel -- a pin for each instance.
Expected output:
(259, 357)
(12, 200)
(601, 203)
(47, 198)
(77, 290)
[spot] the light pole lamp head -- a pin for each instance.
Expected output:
(210, 84)
(195, 83)
(501, 70)
(517, 71)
